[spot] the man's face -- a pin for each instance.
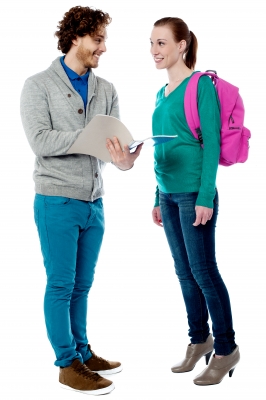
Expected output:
(90, 48)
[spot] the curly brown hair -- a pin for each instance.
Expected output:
(79, 21)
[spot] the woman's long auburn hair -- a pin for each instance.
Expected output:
(181, 32)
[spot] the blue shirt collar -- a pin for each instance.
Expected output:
(72, 74)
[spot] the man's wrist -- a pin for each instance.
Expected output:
(121, 168)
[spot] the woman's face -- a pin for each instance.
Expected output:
(164, 50)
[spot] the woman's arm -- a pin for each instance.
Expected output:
(209, 113)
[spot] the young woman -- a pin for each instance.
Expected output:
(186, 202)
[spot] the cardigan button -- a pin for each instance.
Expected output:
(80, 111)
(96, 175)
(69, 95)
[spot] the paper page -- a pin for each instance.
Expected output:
(92, 139)
(152, 141)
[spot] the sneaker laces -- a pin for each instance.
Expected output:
(81, 369)
(99, 359)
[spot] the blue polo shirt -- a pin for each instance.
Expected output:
(79, 83)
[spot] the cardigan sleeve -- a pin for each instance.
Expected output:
(115, 104)
(36, 121)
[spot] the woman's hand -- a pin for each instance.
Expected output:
(203, 214)
(123, 159)
(156, 216)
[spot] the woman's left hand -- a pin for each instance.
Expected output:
(203, 214)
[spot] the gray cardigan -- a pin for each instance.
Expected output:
(53, 116)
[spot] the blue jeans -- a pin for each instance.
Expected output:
(71, 233)
(193, 251)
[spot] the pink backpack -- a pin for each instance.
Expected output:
(234, 136)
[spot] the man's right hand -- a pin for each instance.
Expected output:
(123, 159)
(156, 216)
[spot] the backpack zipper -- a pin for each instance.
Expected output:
(199, 135)
(232, 120)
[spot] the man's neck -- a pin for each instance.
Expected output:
(73, 63)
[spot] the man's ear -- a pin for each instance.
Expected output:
(76, 41)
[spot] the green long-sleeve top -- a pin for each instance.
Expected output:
(182, 165)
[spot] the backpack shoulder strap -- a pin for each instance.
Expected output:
(191, 103)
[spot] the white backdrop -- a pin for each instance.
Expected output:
(136, 312)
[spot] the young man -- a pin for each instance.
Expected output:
(56, 104)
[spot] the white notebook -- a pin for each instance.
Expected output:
(92, 139)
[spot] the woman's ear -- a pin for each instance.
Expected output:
(182, 46)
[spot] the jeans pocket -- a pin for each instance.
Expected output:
(36, 217)
(216, 198)
(56, 200)
(100, 202)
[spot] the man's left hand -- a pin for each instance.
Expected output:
(123, 159)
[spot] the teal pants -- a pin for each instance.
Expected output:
(71, 233)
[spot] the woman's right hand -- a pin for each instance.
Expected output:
(156, 216)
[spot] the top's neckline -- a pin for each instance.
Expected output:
(188, 77)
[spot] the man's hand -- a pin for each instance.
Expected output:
(123, 159)
(156, 216)
(203, 214)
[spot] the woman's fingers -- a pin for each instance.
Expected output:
(203, 214)
(156, 216)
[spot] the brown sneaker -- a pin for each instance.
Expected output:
(80, 378)
(102, 366)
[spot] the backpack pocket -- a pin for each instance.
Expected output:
(234, 146)
(244, 146)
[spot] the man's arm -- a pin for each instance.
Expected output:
(115, 104)
(36, 120)
(121, 158)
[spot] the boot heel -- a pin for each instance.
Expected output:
(207, 357)
(231, 372)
